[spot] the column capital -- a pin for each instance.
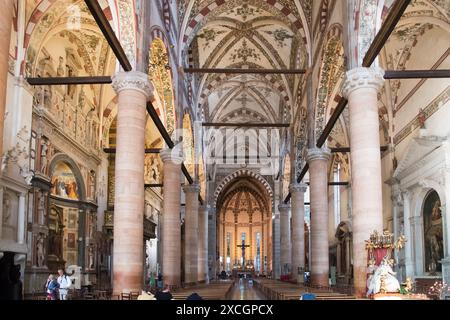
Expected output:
(174, 155)
(192, 188)
(284, 207)
(318, 154)
(133, 80)
(358, 78)
(406, 194)
(298, 187)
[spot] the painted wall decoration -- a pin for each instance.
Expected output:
(202, 177)
(64, 183)
(188, 144)
(433, 238)
(160, 75)
(286, 175)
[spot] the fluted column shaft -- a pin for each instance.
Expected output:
(191, 239)
(298, 229)
(133, 89)
(203, 244)
(318, 175)
(6, 21)
(285, 237)
(171, 237)
(361, 89)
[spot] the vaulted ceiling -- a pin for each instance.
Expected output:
(247, 34)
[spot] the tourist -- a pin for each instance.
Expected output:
(160, 281)
(165, 294)
(64, 282)
(194, 296)
(51, 287)
(152, 281)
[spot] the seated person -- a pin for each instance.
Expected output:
(165, 294)
(194, 296)
(146, 296)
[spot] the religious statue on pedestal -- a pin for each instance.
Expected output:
(381, 278)
(44, 159)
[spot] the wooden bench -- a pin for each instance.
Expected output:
(212, 291)
(277, 290)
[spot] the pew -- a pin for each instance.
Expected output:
(212, 291)
(278, 290)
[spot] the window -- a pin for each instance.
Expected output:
(228, 251)
(337, 196)
(258, 252)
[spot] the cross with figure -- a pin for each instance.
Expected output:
(243, 246)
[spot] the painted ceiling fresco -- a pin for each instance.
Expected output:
(248, 34)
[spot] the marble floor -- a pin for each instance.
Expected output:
(242, 290)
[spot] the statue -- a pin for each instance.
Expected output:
(81, 99)
(44, 160)
(384, 279)
(91, 257)
(408, 286)
(41, 207)
(40, 250)
(92, 184)
(155, 170)
(6, 208)
(60, 70)
(421, 117)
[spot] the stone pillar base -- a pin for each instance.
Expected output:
(319, 280)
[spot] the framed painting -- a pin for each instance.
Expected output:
(433, 233)
(71, 243)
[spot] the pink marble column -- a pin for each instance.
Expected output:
(361, 89)
(298, 230)
(318, 176)
(191, 236)
(133, 89)
(203, 244)
(171, 234)
(285, 237)
(6, 21)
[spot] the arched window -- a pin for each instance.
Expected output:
(337, 195)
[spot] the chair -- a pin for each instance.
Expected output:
(125, 296)
(134, 295)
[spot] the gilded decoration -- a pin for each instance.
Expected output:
(159, 74)
(380, 261)
(188, 145)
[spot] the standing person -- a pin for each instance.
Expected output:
(152, 281)
(160, 281)
(51, 287)
(64, 284)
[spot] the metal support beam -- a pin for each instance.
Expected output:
(246, 125)
(153, 185)
(330, 124)
(113, 150)
(108, 32)
(417, 74)
(165, 135)
(56, 81)
(347, 149)
(245, 71)
(159, 125)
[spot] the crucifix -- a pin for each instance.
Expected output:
(243, 246)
